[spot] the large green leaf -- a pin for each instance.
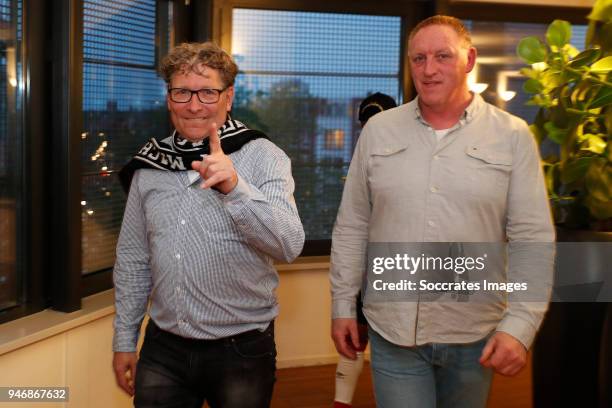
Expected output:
(580, 94)
(575, 169)
(603, 66)
(586, 57)
(532, 86)
(531, 50)
(543, 101)
(558, 33)
(550, 79)
(602, 11)
(529, 73)
(603, 98)
(594, 143)
(568, 76)
(554, 133)
(580, 136)
(570, 50)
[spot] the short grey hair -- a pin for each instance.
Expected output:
(449, 21)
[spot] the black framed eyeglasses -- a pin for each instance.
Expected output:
(205, 95)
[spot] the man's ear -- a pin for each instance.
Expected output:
(471, 59)
(230, 98)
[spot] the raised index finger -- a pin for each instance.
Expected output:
(213, 139)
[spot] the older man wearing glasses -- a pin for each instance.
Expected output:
(208, 210)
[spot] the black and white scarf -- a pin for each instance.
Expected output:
(178, 155)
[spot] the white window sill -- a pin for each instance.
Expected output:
(39, 326)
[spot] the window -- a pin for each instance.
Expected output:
(302, 77)
(123, 106)
(11, 137)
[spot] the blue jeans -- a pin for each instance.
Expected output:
(234, 372)
(429, 376)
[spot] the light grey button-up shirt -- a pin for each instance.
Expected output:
(482, 182)
(204, 259)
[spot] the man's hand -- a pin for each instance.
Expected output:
(504, 353)
(346, 337)
(124, 365)
(216, 169)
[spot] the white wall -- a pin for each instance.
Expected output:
(303, 325)
(80, 357)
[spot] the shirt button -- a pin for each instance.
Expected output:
(178, 256)
(433, 189)
(431, 223)
(182, 222)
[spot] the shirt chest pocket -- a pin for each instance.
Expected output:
(387, 173)
(488, 171)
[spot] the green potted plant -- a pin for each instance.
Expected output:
(573, 90)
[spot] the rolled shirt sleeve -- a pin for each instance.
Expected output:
(132, 274)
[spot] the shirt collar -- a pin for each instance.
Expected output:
(468, 115)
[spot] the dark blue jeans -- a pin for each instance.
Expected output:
(234, 372)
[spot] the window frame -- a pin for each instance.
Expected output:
(511, 12)
(36, 115)
(31, 231)
(65, 185)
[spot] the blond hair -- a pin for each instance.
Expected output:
(452, 22)
(190, 57)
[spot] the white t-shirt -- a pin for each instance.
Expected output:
(441, 133)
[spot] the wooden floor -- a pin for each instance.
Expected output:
(313, 387)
